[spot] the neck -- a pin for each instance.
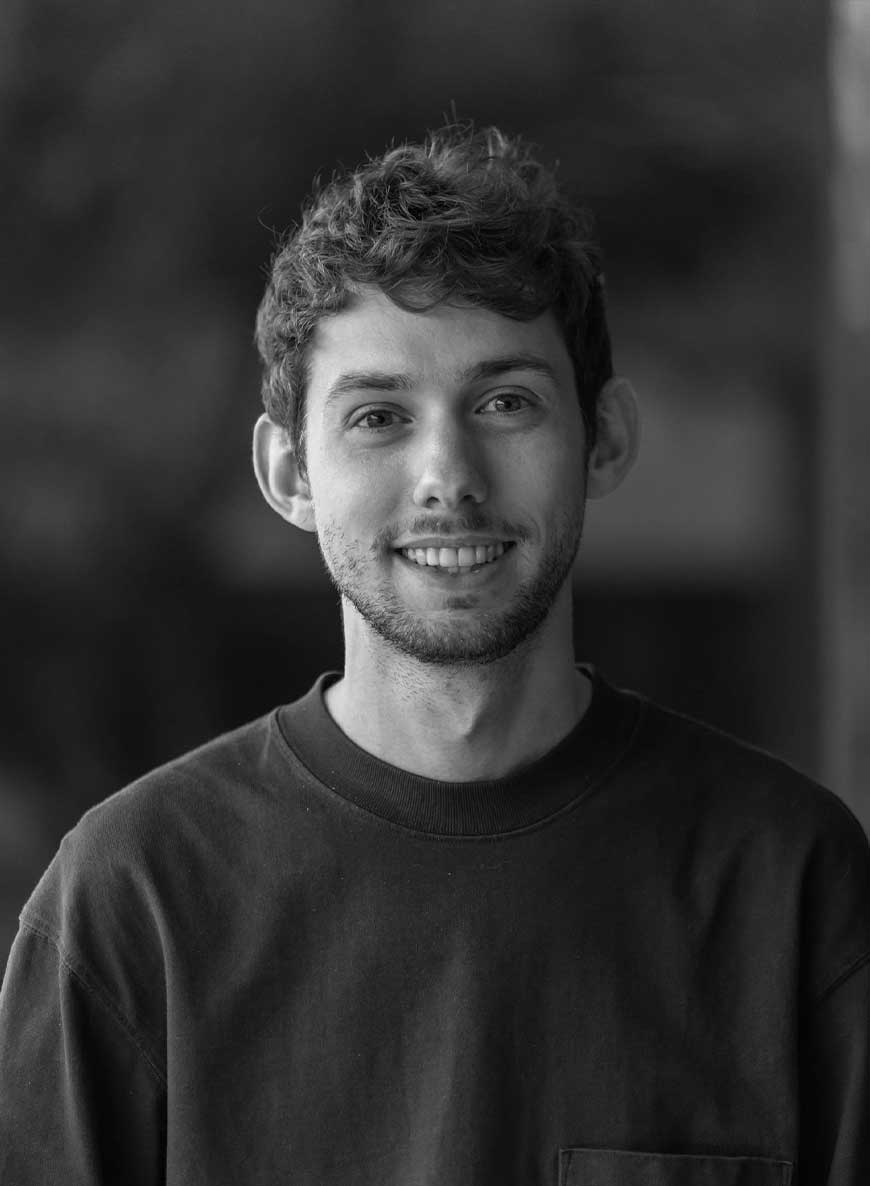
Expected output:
(461, 723)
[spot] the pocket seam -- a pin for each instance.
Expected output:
(565, 1151)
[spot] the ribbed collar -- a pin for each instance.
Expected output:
(484, 807)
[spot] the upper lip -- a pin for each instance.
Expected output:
(453, 541)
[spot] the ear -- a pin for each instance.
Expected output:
(280, 477)
(617, 439)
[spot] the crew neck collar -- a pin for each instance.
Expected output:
(482, 807)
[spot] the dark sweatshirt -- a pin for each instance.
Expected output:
(643, 960)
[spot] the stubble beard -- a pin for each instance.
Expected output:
(485, 637)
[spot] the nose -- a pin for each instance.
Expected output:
(450, 468)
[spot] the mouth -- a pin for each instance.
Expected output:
(456, 561)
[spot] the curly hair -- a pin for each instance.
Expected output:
(468, 215)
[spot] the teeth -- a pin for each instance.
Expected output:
(455, 559)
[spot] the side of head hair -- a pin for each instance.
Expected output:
(467, 215)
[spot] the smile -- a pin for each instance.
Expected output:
(456, 561)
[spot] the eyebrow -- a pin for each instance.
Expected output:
(489, 368)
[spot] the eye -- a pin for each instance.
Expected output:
(375, 419)
(506, 403)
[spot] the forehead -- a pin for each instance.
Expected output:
(435, 346)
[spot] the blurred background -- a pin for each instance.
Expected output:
(151, 600)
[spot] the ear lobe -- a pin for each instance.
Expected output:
(617, 440)
(280, 476)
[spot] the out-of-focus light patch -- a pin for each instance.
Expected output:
(850, 88)
(845, 423)
(850, 73)
(710, 499)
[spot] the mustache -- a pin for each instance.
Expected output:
(462, 525)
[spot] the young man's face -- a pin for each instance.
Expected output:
(445, 462)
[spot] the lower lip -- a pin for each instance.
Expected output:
(444, 574)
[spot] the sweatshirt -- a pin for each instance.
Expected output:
(641, 960)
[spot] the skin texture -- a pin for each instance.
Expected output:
(470, 675)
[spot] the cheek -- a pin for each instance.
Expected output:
(351, 499)
(547, 481)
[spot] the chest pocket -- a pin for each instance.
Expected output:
(613, 1167)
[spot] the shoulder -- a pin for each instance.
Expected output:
(125, 854)
(146, 878)
(226, 772)
(738, 815)
(743, 782)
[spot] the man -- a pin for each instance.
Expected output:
(463, 915)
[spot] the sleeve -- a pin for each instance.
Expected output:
(835, 1077)
(834, 1040)
(81, 1102)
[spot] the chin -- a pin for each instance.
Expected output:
(460, 645)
